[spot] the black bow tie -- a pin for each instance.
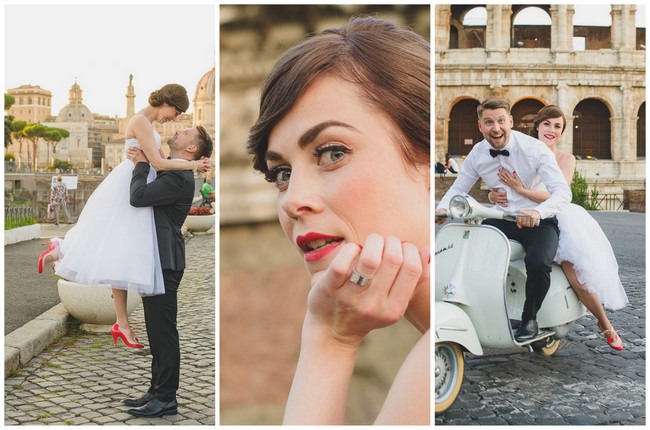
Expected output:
(495, 152)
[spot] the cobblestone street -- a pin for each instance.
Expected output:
(82, 378)
(585, 382)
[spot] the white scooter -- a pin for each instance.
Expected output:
(480, 292)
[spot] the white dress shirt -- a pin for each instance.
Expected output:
(535, 165)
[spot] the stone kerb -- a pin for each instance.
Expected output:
(22, 234)
(24, 343)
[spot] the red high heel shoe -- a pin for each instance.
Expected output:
(52, 254)
(116, 332)
(613, 339)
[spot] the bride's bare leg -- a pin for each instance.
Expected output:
(121, 314)
(590, 300)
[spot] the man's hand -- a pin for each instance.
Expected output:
(529, 221)
(136, 155)
(441, 219)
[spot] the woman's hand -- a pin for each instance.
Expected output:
(511, 180)
(204, 164)
(499, 197)
(346, 311)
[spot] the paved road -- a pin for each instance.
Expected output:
(82, 378)
(28, 293)
(585, 382)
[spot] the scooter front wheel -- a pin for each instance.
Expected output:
(449, 371)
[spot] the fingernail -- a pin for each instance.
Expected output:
(429, 260)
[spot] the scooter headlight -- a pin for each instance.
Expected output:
(459, 207)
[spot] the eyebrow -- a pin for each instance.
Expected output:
(310, 135)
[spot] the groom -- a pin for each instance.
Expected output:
(508, 149)
(171, 195)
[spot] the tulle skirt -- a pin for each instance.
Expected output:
(113, 242)
(583, 243)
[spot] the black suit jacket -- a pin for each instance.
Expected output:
(171, 195)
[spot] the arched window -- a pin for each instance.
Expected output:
(592, 130)
(640, 132)
(474, 24)
(523, 114)
(463, 130)
(453, 37)
(531, 28)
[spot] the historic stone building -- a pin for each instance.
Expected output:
(204, 102)
(33, 103)
(599, 83)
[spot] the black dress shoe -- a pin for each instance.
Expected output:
(136, 403)
(526, 331)
(155, 408)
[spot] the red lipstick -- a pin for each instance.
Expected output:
(325, 245)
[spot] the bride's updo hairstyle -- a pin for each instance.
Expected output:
(547, 112)
(388, 64)
(171, 94)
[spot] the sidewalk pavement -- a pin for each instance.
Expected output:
(82, 378)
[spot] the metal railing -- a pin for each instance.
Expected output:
(16, 216)
(609, 202)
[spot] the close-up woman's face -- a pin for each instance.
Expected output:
(550, 130)
(168, 113)
(341, 175)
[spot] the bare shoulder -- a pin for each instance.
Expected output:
(136, 123)
(567, 159)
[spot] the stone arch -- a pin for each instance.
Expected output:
(469, 36)
(463, 130)
(592, 129)
(530, 36)
(523, 112)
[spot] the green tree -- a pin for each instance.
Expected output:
(33, 133)
(581, 195)
(51, 136)
(9, 128)
(17, 134)
(63, 166)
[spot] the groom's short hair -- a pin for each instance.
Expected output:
(203, 143)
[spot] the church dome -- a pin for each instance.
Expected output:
(75, 110)
(206, 87)
(204, 101)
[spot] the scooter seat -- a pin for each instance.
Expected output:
(517, 251)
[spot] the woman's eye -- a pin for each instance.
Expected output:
(330, 154)
(280, 177)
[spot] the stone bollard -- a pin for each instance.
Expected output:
(92, 305)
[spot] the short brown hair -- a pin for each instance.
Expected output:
(390, 65)
(550, 111)
(203, 143)
(492, 103)
(171, 94)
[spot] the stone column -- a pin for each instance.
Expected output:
(497, 31)
(443, 17)
(566, 143)
(625, 139)
(562, 28)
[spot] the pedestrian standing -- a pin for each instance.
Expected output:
(59, 200)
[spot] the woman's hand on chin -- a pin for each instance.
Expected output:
(346, 312)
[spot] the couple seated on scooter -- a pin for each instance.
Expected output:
(506, 150)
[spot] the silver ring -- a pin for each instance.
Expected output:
(359, 279)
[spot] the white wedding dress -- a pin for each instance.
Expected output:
(583, 243)
(113, 242)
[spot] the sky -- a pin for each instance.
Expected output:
(52, 45)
